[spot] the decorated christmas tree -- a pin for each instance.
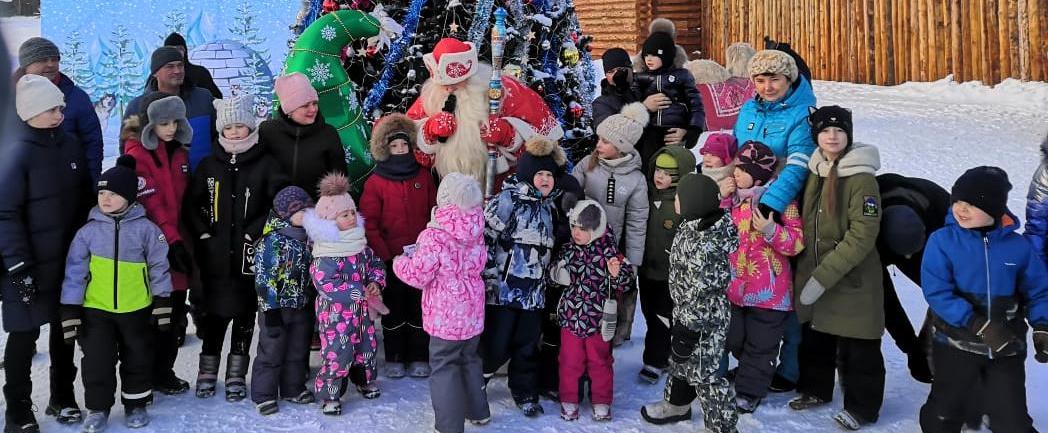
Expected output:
(545, 49)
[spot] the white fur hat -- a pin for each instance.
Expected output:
(452, 61)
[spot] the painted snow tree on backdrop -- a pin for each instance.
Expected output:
(121, 69)
(545, 49)
(245, 30)
(76, 62)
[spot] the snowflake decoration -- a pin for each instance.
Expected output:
(351, 102)
(320, 72)
(328, 33)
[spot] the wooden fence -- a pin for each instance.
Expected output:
(891, 41)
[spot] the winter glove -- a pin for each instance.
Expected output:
(25, 285)
(768, 210)
(1040, 343)
(994, 334)
(274, 322)
(498, 132)
(813, 289)
(178, 258)
(70, 316)
(439, 127)
(162, 308)
(683, 342)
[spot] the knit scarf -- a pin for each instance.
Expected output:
(742, 194)
(617, 161)
(718, 173)
(236, 147)
(398, 167)
(350, 243)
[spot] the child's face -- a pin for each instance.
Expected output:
(771, 87)
(606, 150)
(653, 62)
(48, 119)
(399, 147)
(236, 131)
(296, 219)
(742, 178)
(712, 161)
(543, 181)
(346, 220)
(166, 130)
(676, 204)
(970, 217)
(832, 141)
(110, 203)
(580, 235)
(662, 179)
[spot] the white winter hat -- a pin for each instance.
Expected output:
(460, 190)
(234, 110)
(34, 95)
(624, 129)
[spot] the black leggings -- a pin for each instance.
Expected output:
(215, 334)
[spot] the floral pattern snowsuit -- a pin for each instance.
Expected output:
(699, 277)
(347, 333)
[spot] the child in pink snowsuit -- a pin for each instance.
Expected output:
(348, 276)
(591, 268)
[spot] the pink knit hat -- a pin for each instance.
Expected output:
(720, 145)
(294, 90)
(334, 196)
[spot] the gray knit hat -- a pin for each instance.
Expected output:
(460, 190)
(34, 95)
(773, 62)
(624, 129)
(162, 56)
(163, 110)
(237, 109)
(37, 49)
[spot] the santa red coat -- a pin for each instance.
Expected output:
(523, 108)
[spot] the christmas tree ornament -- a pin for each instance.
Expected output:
(514, 71)
(316, 54)
(545, 45)
(330, 6)
(570, 55)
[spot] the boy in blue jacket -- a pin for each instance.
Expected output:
(116, 288)
(979, 276)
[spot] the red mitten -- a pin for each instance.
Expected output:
(498, 132)
(439, 127)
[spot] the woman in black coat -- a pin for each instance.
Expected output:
(46, 195)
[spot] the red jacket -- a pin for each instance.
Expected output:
(162, 180)
(395, 212)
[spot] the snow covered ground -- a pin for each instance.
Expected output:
(933, 130)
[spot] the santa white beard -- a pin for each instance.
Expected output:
(464, 151)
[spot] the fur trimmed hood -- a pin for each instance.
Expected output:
(387, 125)
(131, 128)
(707, 71)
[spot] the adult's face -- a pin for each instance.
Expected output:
(306, 114)
(47, 68)
(171, 75)
(771, 87)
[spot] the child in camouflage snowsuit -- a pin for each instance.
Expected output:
(699, 277)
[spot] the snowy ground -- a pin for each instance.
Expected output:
(933, 130)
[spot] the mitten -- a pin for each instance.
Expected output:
(25, 285)
(376, 307)
(1040, 343)
(994, 334)
(682, 343)
(70, 316)
(274, 322)
(813, 289)
(767, 210)
(498, 132)
(439, 127)
(162, 308)
(178, 258)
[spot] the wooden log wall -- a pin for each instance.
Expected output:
(890, 41)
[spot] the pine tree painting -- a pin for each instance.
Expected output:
(174, 22)
(121, 68)
(76, 62)
(245, 29)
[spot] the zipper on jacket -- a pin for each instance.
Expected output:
(658, 86)
(247, 198)
(116, 264)
(989, 298)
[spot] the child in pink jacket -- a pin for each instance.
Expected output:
(760, 290)
(445, 264)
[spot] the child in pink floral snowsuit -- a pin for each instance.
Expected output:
(761, 287)
(348, 276)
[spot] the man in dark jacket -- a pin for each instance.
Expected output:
(168, 75)
(195, 74)
(41, 57)
(47, 193)
(913, 209)
(615, 87)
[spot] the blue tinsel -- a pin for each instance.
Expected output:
(481, 22)
(396, 52)
(315, 6)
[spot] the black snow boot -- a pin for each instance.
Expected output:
(236, 377)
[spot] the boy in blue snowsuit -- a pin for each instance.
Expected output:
(979, 276)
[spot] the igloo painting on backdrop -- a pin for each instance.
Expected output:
(106, 45)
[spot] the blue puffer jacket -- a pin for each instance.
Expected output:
(82, 122)
(282, 259)
(1037, 206)
(783, 127)
(995, 274)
